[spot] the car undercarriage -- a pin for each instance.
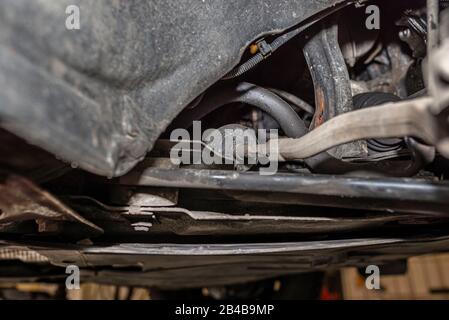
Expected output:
(357, 92)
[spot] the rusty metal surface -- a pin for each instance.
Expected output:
(21, 200)
(333, 95)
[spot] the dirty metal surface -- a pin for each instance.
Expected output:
(99, 97)
(22, 200)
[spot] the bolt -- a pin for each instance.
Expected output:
(405, 34)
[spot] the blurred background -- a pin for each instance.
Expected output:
(425, 278)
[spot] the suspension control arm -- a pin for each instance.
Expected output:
(410, 118)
